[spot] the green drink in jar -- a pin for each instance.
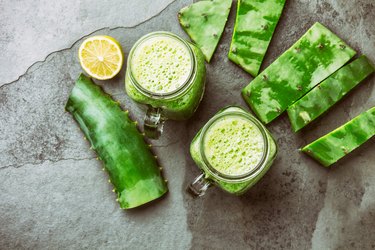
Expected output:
(233, 150)
(166, 74)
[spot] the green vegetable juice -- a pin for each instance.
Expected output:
(233, 145)
(234, 150)
(166, 72)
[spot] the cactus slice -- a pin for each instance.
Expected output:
(328, 92)
(256, 21)
(315, 56)
(340, 142)
(131, 166)
(204, 22)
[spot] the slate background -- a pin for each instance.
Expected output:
(54, 195)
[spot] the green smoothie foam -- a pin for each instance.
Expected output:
(161, 64)
(178, 58)
(234, 145)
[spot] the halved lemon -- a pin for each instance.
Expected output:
(101, 57)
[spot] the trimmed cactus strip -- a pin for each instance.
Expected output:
(329, 92)
(204, 22)
(340, 142)
(315, 56)
(131, 166)
(256, 21)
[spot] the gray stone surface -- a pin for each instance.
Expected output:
(54, 195)
(32, 30)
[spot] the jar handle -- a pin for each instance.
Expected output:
(153, 123)
(199, 186)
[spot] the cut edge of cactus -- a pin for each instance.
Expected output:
(249, 104)
(308, 152)
(294, 128)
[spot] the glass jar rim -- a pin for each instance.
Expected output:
(226, 177)
(175, 93)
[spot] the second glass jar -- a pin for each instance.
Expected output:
(233, 150)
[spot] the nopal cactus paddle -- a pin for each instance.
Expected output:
(328, 92)
(315, 56)
(132, 168)
(204, 22)
(340, 142)
(256, 22)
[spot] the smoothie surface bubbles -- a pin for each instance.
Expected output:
(162, 64)
(234, 145)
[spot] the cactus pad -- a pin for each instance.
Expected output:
(329, 92)
(315, 56)
(340, 142)
(256, 22)
(204, 22)
(131, 166)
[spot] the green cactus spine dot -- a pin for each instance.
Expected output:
(131, 166)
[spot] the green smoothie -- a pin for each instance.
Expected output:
(233, 145)
(234, 150)
(166, 72)
(161, 64)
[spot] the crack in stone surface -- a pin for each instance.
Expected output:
(34, 130)
(76, 159)
(45, 161)
(281, 211)
(166, 145)
(78, 40)
(44, 151)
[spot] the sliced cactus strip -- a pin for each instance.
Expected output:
(315, 56)
(132, 168)
(204, 22)
(256, 21)
(328, 92)
(340, 142)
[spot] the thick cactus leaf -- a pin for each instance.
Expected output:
(315, 56)
(343, 140)
(204, 22)
(329, 92)
(131, 166)
(256, 22)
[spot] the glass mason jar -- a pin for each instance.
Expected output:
(177, 103)
(233, 183)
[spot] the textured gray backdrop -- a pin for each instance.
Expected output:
(54, 195)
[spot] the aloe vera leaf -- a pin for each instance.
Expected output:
(328, 92)
(256, 21)
(343, 140)
(132, 168)
(204, 22)
(315, 56)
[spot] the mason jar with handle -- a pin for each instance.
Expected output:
(167, 75)
(233, 150)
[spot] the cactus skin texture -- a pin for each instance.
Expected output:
(204, 22)
(328, 92)
(340, 142)
(256, 21)
(132, 168)
(315, 56)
